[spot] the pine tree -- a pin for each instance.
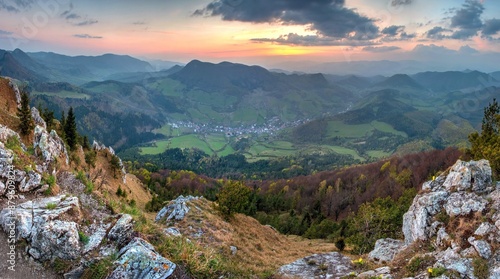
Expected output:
(70, 129)
(24, 113)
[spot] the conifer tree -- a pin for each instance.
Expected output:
(24, 113)
(70, 130)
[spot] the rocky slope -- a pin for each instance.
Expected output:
(452, 230)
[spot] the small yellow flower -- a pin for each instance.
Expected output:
(429, 270)
(433, 177)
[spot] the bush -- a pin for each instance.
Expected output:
(340, 244)
(481, 269)
(233, 197)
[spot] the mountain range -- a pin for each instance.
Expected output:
(363, 116)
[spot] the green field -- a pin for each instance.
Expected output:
(378, 154)
(212, 144)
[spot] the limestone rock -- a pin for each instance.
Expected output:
(475, 175)
(443, 238)
(172, 231)
(482, 247)
(140, 260)
(385, 250)
(452, 260)
(234, 250)
(6, 155)
(462, 203)
(175, 209)
(381, 272)
(35, 115)
(41, 223)
(96, 238)
(416, 220)
(484, 229)
(6, 133)
(122, 231)
(30, 182)
(51, 146)
(329, 265)
(14, 87)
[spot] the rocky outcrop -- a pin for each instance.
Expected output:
(17, 93)
(385, 250)
(466, 195)
(99, 147)
(35, 115)
(140, 260)
(175, 210)
(45, 224)
(122, 231)
(330, 265)
(6, 133)
(49, 145)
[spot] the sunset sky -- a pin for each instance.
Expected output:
(253, 31)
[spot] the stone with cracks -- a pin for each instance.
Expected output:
(35, 115)
(482, 247)
(385, 250)
(30, 182)
(329, 265)
(122, 231)
(140, 260)
(175, 209)
(50, 145)
(475, 175)
(461, 204)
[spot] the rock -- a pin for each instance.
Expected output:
(176, 209)
(6, 133)
(443, 239)
(96, 238)
(329, 265)
(484, 229)
(475, 175)
(381, 272)
(140, 260)
(234, 250)
(385, 250)
(97, 147)
(76, 273)
(416, 219)
(469, 253)
(30, 182)
(172, 231)
(482, 247)
(122, 231)
(14, 87)
(39, 222)
(35, 115)
(451, 260)
(55, 239)
(51, 146)
(462, 203)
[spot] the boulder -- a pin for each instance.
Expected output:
(96, 238)
(482, 247)
(140, 260)
(329, 265)
(6, 133)
(122, 231)
(14, 87)
(385, 250)
(30, 182)
(450, 259)
(484, 229)
(173, 231)
(41, 222)
(175, 209)
(379, 273)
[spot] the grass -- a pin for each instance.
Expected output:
(378, 154)
(51, 205)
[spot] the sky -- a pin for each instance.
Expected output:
(264, 32)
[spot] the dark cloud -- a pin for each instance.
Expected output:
(86, 36)
(381, 48)
(73, 16)
(401, 2)
(86, 22)
(5, 33)
(393, 30)
(491, 27)
(16, 6)
(331, 20)
(467, 20)
(313, 40)
(436, 33)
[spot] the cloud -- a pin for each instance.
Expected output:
(436, 33)
(5, 33)
(491, 27)
(139, 23)
(330, 19)
(85, 22)
(467, 20)
(393, 30)
(73, 16)
(86, 36)
(396, 33)
(401, 2)
(381, 48)
(467, 50)
(313, 40)
(15, 6)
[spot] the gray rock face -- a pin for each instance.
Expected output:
(140, 260)
(14, 87)
(40, 223)
(175, 209)
(6, 133)
(122, 231)
(35, 114)
(51, 146)
(381, 272)
(452, 260)
(462, 203)
(417, 220)
(475, 175)
(30, 182)
(96, 238)
(329, 265)
(482, 247)
(385, 250)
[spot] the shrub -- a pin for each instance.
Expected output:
(83, 237)
(340, 244)
(481, 270)
(51, 205)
